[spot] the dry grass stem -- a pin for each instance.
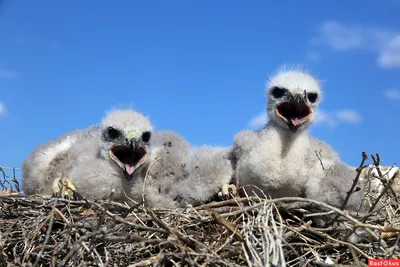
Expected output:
(244, 231)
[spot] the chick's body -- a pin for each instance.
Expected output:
(97, 160)
(282, 159)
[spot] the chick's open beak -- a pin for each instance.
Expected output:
(129, 157)
(295, 111)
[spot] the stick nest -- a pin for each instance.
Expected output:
(246, 232)
(250, 231)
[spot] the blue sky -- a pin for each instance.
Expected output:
(197, 67)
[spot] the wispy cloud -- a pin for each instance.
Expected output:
(46, 44)
(348, 116)
(381, 41)
(330, 119)
(7, 74)
(2, 109)
(333, 118)
(390, 56)
(325, 118)
(393, 94)
(258, 121)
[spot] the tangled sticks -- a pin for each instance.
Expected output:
(37, 231)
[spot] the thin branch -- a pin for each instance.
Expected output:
(353, 186)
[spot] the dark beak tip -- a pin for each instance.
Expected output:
(293, 128)
(128, 177)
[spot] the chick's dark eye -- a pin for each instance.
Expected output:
(146, 136)
(112, 133)
(278, 92)
(312, 97)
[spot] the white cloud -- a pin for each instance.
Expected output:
(333, 118)
(8, 74)
(382, 41)
(390, 56)
(326, 118)
(258, 121)
(348, 116)
(393, 94)
(343, 37)
(2, 109)
(330, 119)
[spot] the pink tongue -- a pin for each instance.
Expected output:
(296, 121)
(129, 168)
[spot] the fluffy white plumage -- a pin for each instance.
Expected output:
(375, 187)
(170, 153)
(209, 168)
(123, 155)
(187, 175)
(281, 159)
(40, 169)
(96, 160)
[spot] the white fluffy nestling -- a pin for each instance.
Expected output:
(281, 159)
